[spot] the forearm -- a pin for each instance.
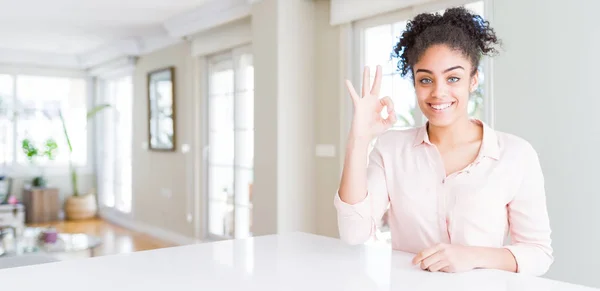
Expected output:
(353, 184)
(494, 258)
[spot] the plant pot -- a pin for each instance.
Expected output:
(39, 182)
(81, 207)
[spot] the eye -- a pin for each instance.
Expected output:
(425, 81)
(453, 79)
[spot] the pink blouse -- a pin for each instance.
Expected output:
(501, 194)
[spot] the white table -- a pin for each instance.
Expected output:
(295, 261)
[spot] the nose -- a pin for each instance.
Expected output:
(440, 90)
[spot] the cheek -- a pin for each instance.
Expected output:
(422, 93)
(461, 93)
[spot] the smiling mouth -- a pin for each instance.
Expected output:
(440, 106)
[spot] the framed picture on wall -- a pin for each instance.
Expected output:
(161, 109)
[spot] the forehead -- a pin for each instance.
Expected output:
(438, 58)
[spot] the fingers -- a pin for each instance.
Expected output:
(425, 254)
(387, 101)
(352, 92)
(439, 266)
(391, 119)
(377, 83)
(366, 86)
(428, 262)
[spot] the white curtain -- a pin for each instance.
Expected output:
(114, 144)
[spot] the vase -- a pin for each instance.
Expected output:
(81, 207)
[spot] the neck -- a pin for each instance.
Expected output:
(461, 131)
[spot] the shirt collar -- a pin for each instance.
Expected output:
(489, 144)
(422, 136)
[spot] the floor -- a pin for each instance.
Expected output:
(115, 239)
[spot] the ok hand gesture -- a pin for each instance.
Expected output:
(367, 122)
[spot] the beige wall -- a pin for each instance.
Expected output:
(265, 49)
(283, 47)
(328, 77)
(295, 114)
(156, 174)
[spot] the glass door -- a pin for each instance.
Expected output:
(230, 160)
(115, 144)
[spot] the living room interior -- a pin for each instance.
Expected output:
(141, 125)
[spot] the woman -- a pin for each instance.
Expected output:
(455, 187)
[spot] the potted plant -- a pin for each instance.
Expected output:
(78, 206)
(32, 152)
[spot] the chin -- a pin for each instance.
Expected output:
(440, 122)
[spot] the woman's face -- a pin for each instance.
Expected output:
(443, 84)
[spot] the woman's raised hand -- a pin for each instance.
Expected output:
(367, 122)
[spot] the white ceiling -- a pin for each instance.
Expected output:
(77, 27)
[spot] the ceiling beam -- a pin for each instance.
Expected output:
(41, 59)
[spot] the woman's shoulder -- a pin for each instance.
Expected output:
(513, 144)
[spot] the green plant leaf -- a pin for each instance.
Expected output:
(92, 112)
(51, 148)
(74, 180)
(62, 120)
(29, 149)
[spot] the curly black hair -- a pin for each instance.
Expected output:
(458, 28)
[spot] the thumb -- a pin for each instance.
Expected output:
(391, 119)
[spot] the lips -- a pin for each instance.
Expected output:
(440, 106)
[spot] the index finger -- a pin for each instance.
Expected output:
(352, 92)
(366, 81)
(377, 82)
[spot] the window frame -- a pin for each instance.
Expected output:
(101, 86)
(209, 62)
(20, 171)
(356, 64)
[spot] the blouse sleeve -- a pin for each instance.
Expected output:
(528, 220)
(357, 222)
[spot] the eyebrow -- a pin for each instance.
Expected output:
(445, 71)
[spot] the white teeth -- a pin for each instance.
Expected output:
(440, 106)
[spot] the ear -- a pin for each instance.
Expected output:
(474, 82)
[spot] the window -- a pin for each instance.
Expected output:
(7, 139)
(375, 40)
(29, 109)
(231, 144)
(115, 143)
(376, 43)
